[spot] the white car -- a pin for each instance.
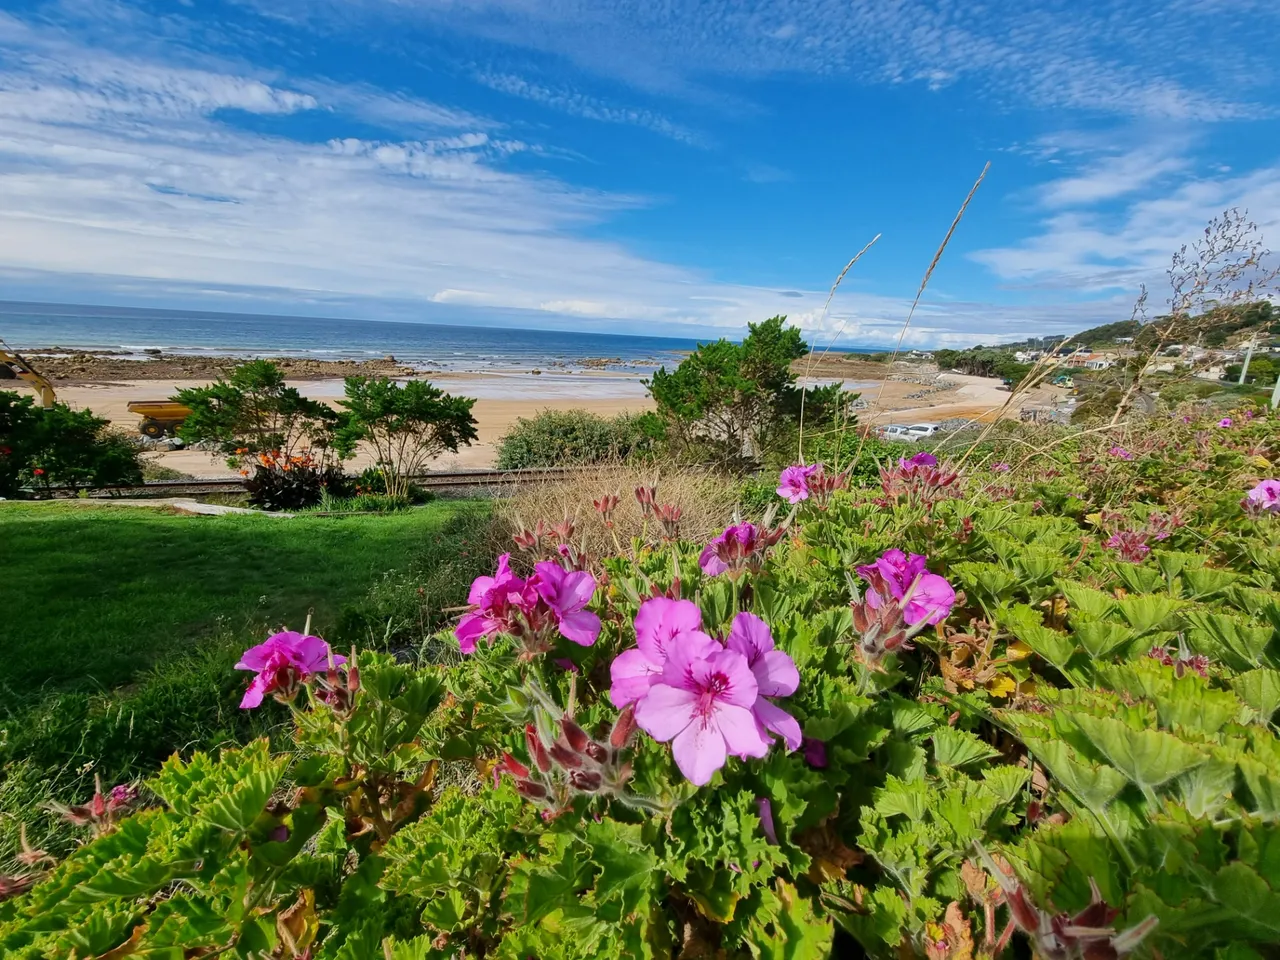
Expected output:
(918, 431)
(895, 431)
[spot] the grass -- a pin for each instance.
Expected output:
(97, 594)
(122, 627)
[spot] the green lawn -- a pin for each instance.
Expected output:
(92, 595)
(120, 628)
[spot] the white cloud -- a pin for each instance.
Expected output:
(1091, 251)
(1126, 57)
(579, 104)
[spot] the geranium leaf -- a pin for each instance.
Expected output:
(955, 748)
(1147, 757)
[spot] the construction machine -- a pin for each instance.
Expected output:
(13, 366)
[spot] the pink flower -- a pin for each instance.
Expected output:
(566, 594)
(1129, 545)
(1265, 496)
(1225, 422)
(1000, 468)
(775, 673)
(282, 663)
(921, 459)
(793, 485)
(703, 706)
(495, 598)
(661, 625)
(925, 597)
(741, 546)
(1121, 452)
(765, 809)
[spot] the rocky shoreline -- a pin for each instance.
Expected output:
(75, 367)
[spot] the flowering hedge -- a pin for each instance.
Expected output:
(961, 715)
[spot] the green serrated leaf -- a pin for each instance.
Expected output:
(1100, 637)
(955, 748)
(1094, 785)
(1147, 757)
(1148, 612)
(1260, 689)
(1085, 600)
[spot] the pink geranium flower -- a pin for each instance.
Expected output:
(704, 707)
(661, 625)
(282, 663)
(1226, 422)
(925, 597)
(740, 547)
(921, 459)
(1265, 496)
(1121, 452)
(495, 599)
(1000, 468)
(775, 673)
(793, 484)
(566, 594)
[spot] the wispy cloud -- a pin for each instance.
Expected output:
(1125, 57)
(582, 105)
(1091, 250)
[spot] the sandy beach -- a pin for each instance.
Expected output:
(97, 384)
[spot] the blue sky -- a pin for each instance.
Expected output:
(678, 168)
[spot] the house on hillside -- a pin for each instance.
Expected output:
(1098, 361)
(1027, 356)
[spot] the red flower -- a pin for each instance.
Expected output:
(38, 472)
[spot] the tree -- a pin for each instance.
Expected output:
(406, 426)
(58, 446)
(252, 411)
(736, 401)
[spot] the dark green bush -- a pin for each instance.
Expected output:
(558, 438)
(42, 448)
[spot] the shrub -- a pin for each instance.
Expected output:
(562, 438)
(406, 425)
(731, 404)
(275, 482)
(42, 448)
(252, 411)
(931, 718)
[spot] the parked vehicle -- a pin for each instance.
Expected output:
(159, 417)
(919, 431)
(894, 431)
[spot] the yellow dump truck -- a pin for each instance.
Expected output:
(159, 416)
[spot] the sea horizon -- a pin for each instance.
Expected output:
(140, 331)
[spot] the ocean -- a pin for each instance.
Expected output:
(131, 332)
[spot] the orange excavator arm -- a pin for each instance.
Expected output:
(14, 366)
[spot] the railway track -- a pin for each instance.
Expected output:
(430, 481)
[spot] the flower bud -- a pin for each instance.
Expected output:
(537, 752)
(623, 727)
(587, 781)
(534, 791)
(514, 767)
(575, 736)
(565, 757)
(597, 752)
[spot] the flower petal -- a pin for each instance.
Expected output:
(776, 674)
(738, 727)
(741, 689)
(750, 636)
(699, 751)
(632, 674)
(776, 720)
(582, 627)
(253, 695)
(665, 711)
